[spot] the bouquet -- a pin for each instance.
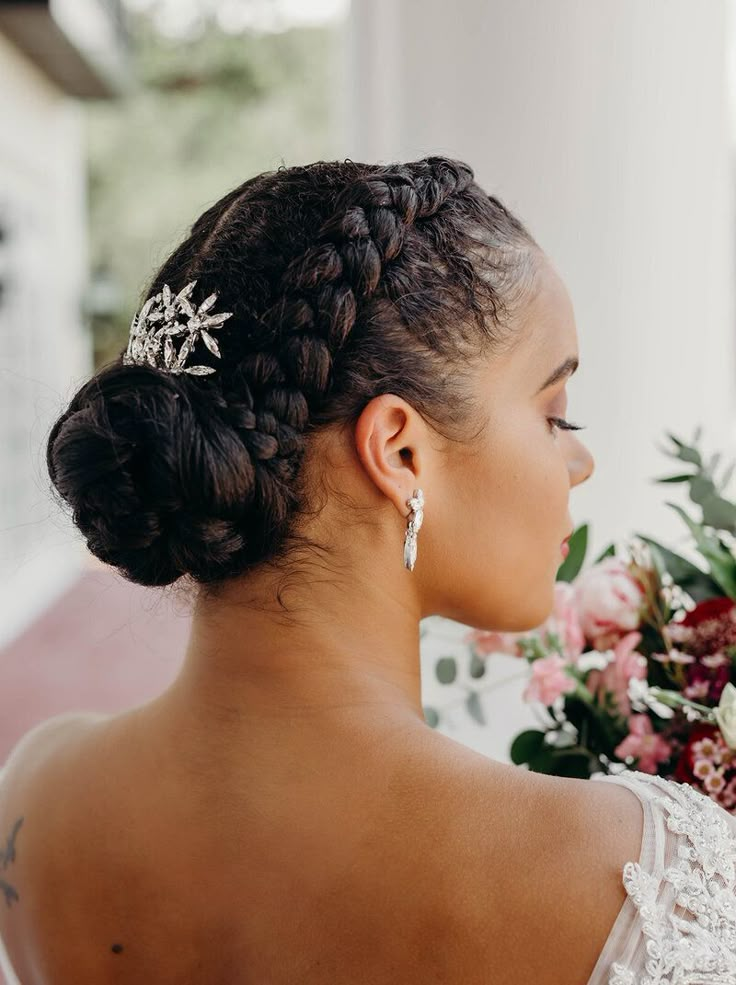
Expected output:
(636, 666)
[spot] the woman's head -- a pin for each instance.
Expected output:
(386, 318)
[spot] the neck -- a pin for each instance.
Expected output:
(346, 652)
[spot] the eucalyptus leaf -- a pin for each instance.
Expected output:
(701, 489)
(431, 716)
(446, 670)
(718, 512)
(475, 710)
(477, 666)
(722, 563)
(726, 478)
(684, 452)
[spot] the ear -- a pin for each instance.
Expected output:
(387, 439)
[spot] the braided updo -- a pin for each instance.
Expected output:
(346, 281)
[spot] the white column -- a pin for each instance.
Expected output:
(607, 128)
(45, 350)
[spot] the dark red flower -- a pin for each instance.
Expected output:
(708, 609)
(684, 768)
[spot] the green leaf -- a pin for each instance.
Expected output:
(571, 764)
(675, 478)
(701, 488)
(446, 670)
(718, 512)
(570, 567)
(722, 563)
(684, 452)
(526, 745)
(431, 716)
(688, 576)
(475, 710)
(726, 478)
(543, 760)
(477, 666)
(610, 551)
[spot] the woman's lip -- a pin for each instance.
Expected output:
(565, 548)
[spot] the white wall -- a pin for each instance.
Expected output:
(607, 128)
(43, 345)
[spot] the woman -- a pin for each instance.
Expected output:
(341, 410)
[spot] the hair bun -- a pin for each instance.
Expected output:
(155, 484)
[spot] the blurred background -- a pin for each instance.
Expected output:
(608, 127)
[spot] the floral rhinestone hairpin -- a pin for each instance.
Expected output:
(156, 331)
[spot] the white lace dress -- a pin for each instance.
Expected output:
(677, 925)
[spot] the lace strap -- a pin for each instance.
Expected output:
(681, 893)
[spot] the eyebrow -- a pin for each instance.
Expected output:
(566, 369)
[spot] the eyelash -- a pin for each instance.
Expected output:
(562, 424)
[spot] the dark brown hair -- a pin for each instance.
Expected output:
(346, 281)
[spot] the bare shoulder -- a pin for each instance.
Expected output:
(28, 798)
(581, 835)
(549, 885)
(44, 737)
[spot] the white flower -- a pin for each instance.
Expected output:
(642, 696)
(725, 715)
(594, 660)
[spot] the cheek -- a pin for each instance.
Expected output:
(518, 483)
(509, 516)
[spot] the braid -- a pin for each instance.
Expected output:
(365, 233)
(345, 280)
(315, 315)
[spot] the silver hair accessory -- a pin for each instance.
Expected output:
(164, 317)
(416, 516)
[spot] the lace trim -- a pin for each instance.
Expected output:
(697, 945)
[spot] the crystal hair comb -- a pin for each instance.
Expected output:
(162, 320)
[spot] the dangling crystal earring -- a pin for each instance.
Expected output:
(416, 515)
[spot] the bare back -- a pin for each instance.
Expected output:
(140, 860)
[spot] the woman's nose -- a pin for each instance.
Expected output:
(581, 464)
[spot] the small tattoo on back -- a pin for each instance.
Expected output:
(6, 857)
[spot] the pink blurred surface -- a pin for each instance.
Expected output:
(105, 645)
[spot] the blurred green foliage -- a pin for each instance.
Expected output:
(202, 115)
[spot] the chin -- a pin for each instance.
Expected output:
(530, 615)
(524, 607)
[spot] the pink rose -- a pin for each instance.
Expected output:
(644, 742)
(626, 663)
(548, 680)
(565, 622)
(609, 601)
(485, 642)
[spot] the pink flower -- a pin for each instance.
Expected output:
(644, 742)
(563, 621)
(626, 663)
(485, 642)
(608, 600)
(548, 680)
